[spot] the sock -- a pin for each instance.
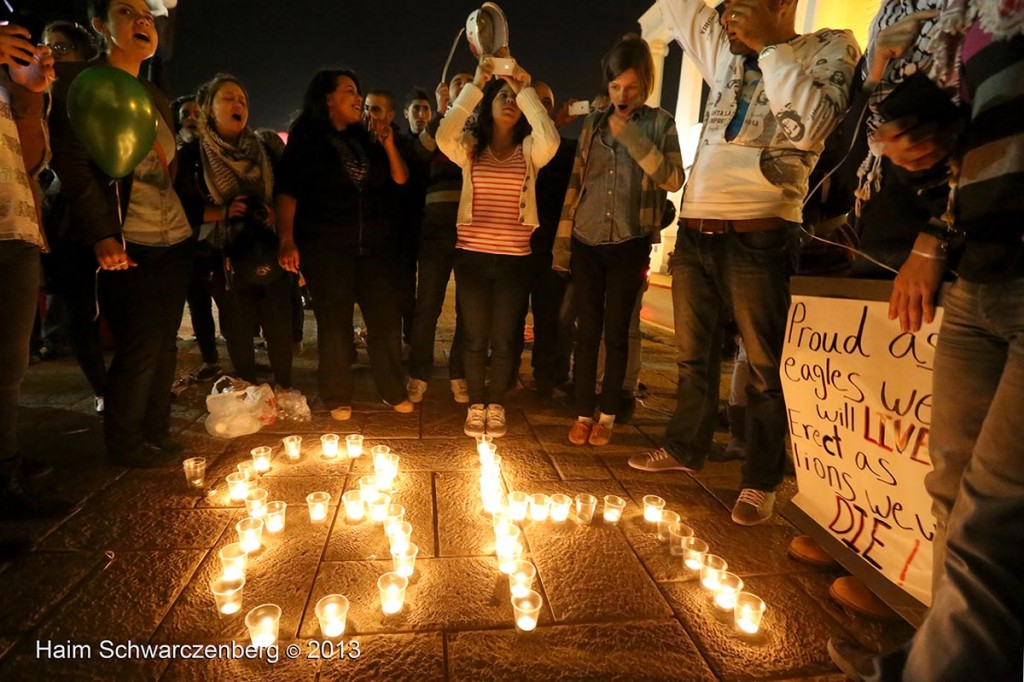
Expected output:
(589, 421)
(606, 420)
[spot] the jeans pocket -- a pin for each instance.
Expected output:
(766, 241)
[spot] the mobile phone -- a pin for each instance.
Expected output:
(503, 66)
(918, 95)
(579, 108)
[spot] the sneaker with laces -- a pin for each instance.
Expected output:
(460, 390)
(659, 460)
(416, 389)
(600, 435)
(476, 421)
(495, 421)
(579, 433)
(753, 507)
(856, 662)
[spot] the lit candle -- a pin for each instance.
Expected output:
(404, 558)
(652, 508)
(293, 447)
(586, 505)
(678, 534)
(379, 508)
(392, 592)
(386, 468)
(485, 446)
(508, 554)
(378, 453)
(613, 506)
(491, 466)
(318, 503)
(263, 622)
(261, 458)
(518, 503)
(399, 534)
(505, 537)
(332, 612)
(329, 445)
(354, 445)
(256, 502)
(560, 506)
(368, 486)
(527, 610)
(238, 485)
(394, 514)
(247, 469)
(227, 594)
(540, 504)
(694, 550)
(667, 520)
(520, 580)
(274, 519)
(233, 561)
(493, 500)
(250, 534)
(354, 505)
(748, 612)
(195, 471)
(729, 585)
(710, 572)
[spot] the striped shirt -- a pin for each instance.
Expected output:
(498, 192)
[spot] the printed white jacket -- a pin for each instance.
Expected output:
(802, 97)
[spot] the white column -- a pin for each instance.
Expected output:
(659, 50)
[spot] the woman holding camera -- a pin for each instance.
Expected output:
(227, 184)
(500, 155)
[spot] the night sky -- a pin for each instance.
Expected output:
(275, 47)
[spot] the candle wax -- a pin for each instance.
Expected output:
(526, 623)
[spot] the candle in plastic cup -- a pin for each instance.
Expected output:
(227, 593)
(332, 612)
(729, 585)
(652, 508)
(274, 519)
(256, 502)
(404, 558)
(540, 505)
(263, 623)
(379, 454)
(329, 445)
(747, 612)
(518, 503)
(233, 561)
(238, 485)
(261, 458)
(399, 534)
(501, 514)
(560, 506)
(368, 486)
(195, 471)
(487, 452)
(527, 610)
(248, 469)
(386, 469)
(392, 592)
(520, 580)
(668, 518)
(293, 447)
(613, 506)
(394, 514)
(491, 466)
(494, 498)
(508, 554)
(483, 443)
(354, 505)
(586, 505)
(505, 537)
(250, 534)
(379, 508)
(711, 570)
(694, 550)
(318, 503)
(354, 445)
(678, 534)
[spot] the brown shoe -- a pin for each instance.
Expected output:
(854, 594)
(600, 435)
(579, 433)
(804, 549)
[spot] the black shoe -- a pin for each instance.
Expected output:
(33, 469)
(856, 662)
(167, 444)
(736, 449)
(17, 503)
(207, 372)
(146, 456)
(627, 407)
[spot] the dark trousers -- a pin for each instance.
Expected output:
(143, 306)
(338, 279)
(492, 295)
(606, 281)
(245, 307)
(200, 300)
(19, 281)
(436, 262)
(551, 352)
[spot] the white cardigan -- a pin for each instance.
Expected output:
(538, 148)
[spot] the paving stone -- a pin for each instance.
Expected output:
(137, 492)
(463, 527)
(626, 440)
(97, 528)
(290, 489)
(281, 573)
(449, 594)
(243, 669)
(366, 540)
(6, 644)
(29, 667)
(396, 658)
(52, 576)
(310, 463)
(632, 651)
(791, 641)
(580, 466)
(751, 550)
(688, 500)
(524, 464)
(424, 455)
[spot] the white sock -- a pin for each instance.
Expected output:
(589, 421)
(606, 420)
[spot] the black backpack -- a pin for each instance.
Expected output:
(250, 247)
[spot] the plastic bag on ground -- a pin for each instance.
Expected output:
(292, 405)
(241, 412)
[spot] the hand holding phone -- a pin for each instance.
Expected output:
(503, 66)
(579, 108)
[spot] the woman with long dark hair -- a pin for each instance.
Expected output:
(500, 155)
(336, 196)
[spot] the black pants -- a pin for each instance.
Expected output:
(606, 280)
(436, 262)
(200, 300)
(143, 306)
(550, 360)
(492, 292)
(246, 307)
(19, 281)
(338, 279)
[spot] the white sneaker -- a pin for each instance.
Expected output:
(460, 389)
(658, 460)
(98, 404)
(753, 507)
(476, 419)
(495, 420)
(416, 388)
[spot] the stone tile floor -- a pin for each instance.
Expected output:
(134, 561)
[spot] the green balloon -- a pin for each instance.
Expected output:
(113, 115)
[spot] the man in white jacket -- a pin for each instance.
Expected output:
(775, 97)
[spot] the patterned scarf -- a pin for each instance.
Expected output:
(232, 170)
(1002, 19)
(353, 157)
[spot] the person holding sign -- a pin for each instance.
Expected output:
(775, 97)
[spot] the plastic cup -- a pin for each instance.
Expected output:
(395, 514)
(747, 612)
(318, 503)
(195, 471)
(250, 534)
(729, 585)
(399, 534)
(586, 505)
(263, 623)
(711, 570)
(527, 610)
(560, 506)
(238, 485)
(613, 506)
(404, 558)
(249, 470)
(355, 508)
(653, 505)
(518, 504)
(483, 441)
(233, 560)
(261, 458)
(487, 452)
(332, 612)
(694, 550)
(508, 554)
(256, 502)
(678, 533)
(494, 499)
(293, 447)
(227, 594)
(274, 519)
(392, 592)
(540, 506)
(668, 518)
(520, 580)
(329, 445)
(386, 469)
(379, 508)
(354, 445)
(491, 466)
(368, 486)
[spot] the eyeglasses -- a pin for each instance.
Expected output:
(61, 48)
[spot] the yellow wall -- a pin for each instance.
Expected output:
(855, 15)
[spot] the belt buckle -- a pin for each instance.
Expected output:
(701, 229)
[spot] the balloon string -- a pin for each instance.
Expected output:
(124, 244)
(451, 53)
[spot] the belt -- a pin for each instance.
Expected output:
(716, 226)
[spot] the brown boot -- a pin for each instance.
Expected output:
(804, 549)
(854, 594)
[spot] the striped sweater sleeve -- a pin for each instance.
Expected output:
(663, 165)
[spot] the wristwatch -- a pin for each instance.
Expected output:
(765, 51)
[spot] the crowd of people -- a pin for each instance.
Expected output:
(480, 183)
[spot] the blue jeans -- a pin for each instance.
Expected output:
(436, 262)
(746, 274)
(975, 628)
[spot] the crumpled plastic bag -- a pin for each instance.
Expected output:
(238, 408)
(292, 405)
